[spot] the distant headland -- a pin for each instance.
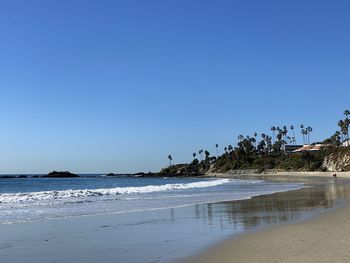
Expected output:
(278, 151)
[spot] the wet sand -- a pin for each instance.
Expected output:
(322, 238)
(281, 175)
(168, 235)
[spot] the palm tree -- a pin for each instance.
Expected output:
(200, 152)
(253, 142)
(292, 128)
(263, 136)
(346, 128)
(207, 154)
(337, 136)
(303, 132)
(279, 136)
(255, 135)
(170, 159)
(217, 150)
(347, 113)
(341, 125)
(284, 134)
(269, 143)
(347, 123)
(273, 129)
(308, 131)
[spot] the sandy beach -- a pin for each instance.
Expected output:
(322, 238)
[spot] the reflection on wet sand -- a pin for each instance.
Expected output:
(275, 208)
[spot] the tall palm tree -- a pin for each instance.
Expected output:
(346, 128)
(263, 136)
(337, 136)
(341, 125)
(273, 129)
(255, 136)
(347, 123)
(253, 142)
(308, 131)
(279, 136)
(217, 150)
(200, 152)
(303, 132)
(207, 154)
(292, 128)
(170, 159)
(269, 143)
(284, 134)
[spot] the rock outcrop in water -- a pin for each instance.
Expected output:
(13, 176)
(61, 174)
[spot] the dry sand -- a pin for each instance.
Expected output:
(325, 238)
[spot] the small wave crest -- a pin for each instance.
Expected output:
(9, 198)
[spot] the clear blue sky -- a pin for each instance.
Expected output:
(116, 86)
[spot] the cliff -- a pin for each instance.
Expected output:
(338, 160)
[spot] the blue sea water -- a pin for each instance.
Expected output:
(38, 199)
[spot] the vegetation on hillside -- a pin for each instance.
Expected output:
(268, 152)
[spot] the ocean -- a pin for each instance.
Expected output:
(40, 199)
(133, 220)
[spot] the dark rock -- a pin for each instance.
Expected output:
(64, 174)
(140, 174)
(7, 176)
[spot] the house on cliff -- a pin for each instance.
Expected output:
(311, 147)
(346, 143)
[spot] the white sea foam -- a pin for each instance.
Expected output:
(9, 198)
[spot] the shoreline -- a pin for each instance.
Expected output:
(280, 175)
(322, 237)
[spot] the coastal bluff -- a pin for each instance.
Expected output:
(337, 161)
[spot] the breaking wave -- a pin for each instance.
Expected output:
(9, 198)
